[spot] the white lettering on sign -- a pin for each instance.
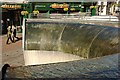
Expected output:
(40, 6)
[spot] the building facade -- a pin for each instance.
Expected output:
(96, 7)
(108, 8)
(13, 13)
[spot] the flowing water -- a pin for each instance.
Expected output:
(61, 36)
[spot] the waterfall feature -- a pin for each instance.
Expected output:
(84, 40)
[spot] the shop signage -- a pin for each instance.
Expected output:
(72, 9)
(75, 6)
(40, 6)
(11, 6)
(55, 5)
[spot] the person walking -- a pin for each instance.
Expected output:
(14, 30)
(9, 32)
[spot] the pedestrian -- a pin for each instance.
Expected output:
(14, 30)
(4, 69)
(9, 32)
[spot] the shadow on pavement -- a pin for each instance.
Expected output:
(20, 38)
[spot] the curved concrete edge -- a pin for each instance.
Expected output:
(102, 67)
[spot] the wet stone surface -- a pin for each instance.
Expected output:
(105, 67)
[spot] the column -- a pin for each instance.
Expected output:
(104, 8)
(117, 8)
(112, 9)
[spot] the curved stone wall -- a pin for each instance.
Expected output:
(85, 40)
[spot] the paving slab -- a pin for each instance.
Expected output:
(97, 68)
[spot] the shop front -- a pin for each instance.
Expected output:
(11, 15)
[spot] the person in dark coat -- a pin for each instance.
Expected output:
(4, 69)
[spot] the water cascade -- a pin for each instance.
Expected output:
(84, 40)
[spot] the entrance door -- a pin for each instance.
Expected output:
(10, 17)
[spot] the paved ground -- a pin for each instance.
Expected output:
(12, 53)
(98, 69)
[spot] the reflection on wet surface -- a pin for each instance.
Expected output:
(34, 57)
